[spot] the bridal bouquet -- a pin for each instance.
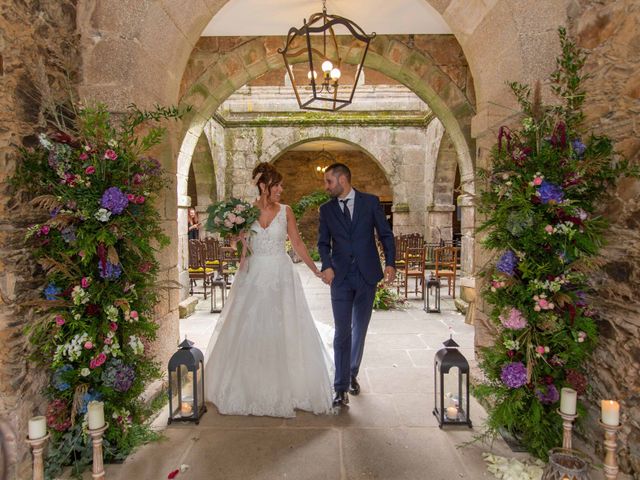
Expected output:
(231, 218)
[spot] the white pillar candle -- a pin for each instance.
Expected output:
(610, 412)
(568, 399)
(37, 427)
(96, 415)
(452, 413)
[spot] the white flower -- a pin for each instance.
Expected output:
(103, 215)
(113, 143)
(44, 141)
(79, 295)
(112, 313)
(136, 345)
(85, 372)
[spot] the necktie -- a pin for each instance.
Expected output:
(346, 212)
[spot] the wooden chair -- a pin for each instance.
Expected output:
(430, 255)
(198, 269)
(413, 267)
(446, 266)
(213, 257)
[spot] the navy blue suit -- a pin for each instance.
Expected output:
(350, 250)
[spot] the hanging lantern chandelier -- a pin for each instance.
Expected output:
(316, 44)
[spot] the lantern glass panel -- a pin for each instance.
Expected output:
(200, 380)
(175, 392)
(438, 390)
(186, 402)
(452, 393)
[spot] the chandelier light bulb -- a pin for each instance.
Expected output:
(315, 74)
(336, 74)
(327, 66)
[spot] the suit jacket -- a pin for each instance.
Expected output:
(340, 246)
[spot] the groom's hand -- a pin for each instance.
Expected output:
(389, 275)
(328, 275)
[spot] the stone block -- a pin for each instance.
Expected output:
(187, 307)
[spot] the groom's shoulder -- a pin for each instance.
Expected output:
(369, 197)
(326, 204)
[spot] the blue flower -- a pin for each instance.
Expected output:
(58, 378)
(578, 147)
(90, 396)
(507, 263)
(111, 272)
(114, 200)
(51, 292)
(550, 192)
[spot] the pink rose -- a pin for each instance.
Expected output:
(84, 283)
(239, 220)
(110, 155)
(90, 170)
(83, 156)
(92, 364)
(537, 181)
(139, 199)
(540, 350)
(228, 224)
(59, 320)
(81, 254)
(137, 179)
(131, 197)
(45, 229)
(100, 359)
(240, 208)
(113, 326)
(108, 341)
(549, 229)
(133, 314)
(231, 217)
(88, 345)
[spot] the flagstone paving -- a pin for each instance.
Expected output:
(388, 432)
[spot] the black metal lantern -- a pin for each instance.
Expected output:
(186, 384)
(451, 393)
(431, 295)
(316, 44)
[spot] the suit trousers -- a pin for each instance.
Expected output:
(352, 303)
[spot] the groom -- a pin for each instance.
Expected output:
(350, 264)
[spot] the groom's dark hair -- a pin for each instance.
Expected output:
(339, 169)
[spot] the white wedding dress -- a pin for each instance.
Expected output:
(269, 358)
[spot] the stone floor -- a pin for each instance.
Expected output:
(388, 432)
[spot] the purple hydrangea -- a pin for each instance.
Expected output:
(514, 375)
(111, 271)
(118, 375)
(513, 320)
(550, 192)
(114, 200)
(578, 147)
(507, 263)
(547, 394)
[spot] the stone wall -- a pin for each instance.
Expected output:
(38, 53)
(609, 31)
(300, 178)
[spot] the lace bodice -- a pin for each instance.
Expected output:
(270, 240)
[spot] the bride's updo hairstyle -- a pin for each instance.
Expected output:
(266, 174)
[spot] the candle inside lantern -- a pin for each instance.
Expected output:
(186, 407)
(95, 413)
(568, 399)
(610, 412)
(37, 427)
(452, 412)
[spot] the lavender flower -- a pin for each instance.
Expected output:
(578, 147)
(514, 375)
(514, 320)
(113, 199)
(550, 192)
(508, 263)
(111, 271)
(547, 394)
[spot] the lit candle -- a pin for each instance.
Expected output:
(610, 412)
(568, 398)
(452, 413)
(37, 427)
(96, 415)
(186, 407)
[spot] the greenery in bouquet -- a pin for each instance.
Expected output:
(230, 218)
(96, 245)
(541, 201)
(387, 299)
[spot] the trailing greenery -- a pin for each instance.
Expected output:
(547, 180)
(312, 200)
(97, 248)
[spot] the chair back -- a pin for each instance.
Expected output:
(446, 260)
(414, 261)
(197, 257)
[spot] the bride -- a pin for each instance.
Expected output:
(269, 358)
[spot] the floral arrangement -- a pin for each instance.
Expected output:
(547, 180)
(387, 299)
(96, 245)
(232, 217)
